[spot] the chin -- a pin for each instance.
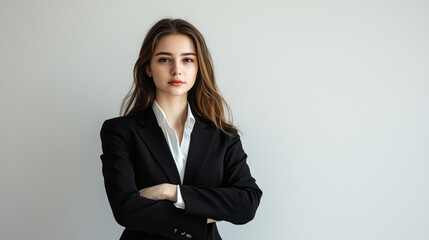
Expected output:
(176, 93)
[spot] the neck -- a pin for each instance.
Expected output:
(175, 109)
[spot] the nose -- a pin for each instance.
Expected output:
(176, 70)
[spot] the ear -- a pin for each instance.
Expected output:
(148, 71)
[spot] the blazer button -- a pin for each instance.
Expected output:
(188, 235)
(175, 231)
(183, 234)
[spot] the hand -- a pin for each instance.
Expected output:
(209, 220)
(163, 191)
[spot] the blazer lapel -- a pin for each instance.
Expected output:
(154, 139)
(202, 138)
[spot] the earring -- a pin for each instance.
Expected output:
(150, 75)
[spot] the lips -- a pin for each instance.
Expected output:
(176, 82)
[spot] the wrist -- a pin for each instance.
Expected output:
(170, 192)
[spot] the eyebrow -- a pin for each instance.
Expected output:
(170, 54)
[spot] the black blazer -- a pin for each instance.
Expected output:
(217, 182)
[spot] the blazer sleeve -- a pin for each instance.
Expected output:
(236, 200)
(129, 208)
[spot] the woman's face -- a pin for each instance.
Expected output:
(173, 66)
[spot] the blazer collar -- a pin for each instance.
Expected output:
(147, 118)
(202, 139)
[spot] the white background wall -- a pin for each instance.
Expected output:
(332, 97)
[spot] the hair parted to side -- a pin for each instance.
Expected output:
(204, 97)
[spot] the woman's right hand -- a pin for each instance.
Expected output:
(163, 191)
(209, 220)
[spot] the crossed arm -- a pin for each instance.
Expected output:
(164, 191)
(151, 209)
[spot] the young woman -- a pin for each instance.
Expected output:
(173, 165)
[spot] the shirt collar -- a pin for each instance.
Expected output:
(161, 118)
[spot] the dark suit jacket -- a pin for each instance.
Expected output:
(217, 182)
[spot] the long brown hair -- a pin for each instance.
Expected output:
(204, 97)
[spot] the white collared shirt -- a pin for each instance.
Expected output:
(178, 151)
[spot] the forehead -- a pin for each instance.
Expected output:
(175, 44)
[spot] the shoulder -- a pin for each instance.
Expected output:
(128, 120)
(123, 125)
(231, 132)
(228, 132)
(227, 135)
(119, 129)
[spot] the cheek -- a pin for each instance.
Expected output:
(158, 76)
(195, 71)
(194, 80)
(194, 74)
(159, 70)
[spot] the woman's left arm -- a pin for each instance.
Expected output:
(164, 191)
(236, 200)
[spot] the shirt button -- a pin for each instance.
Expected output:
(188, 235)
(175, 231)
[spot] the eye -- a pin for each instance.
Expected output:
(163, 60)
(188, 60)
